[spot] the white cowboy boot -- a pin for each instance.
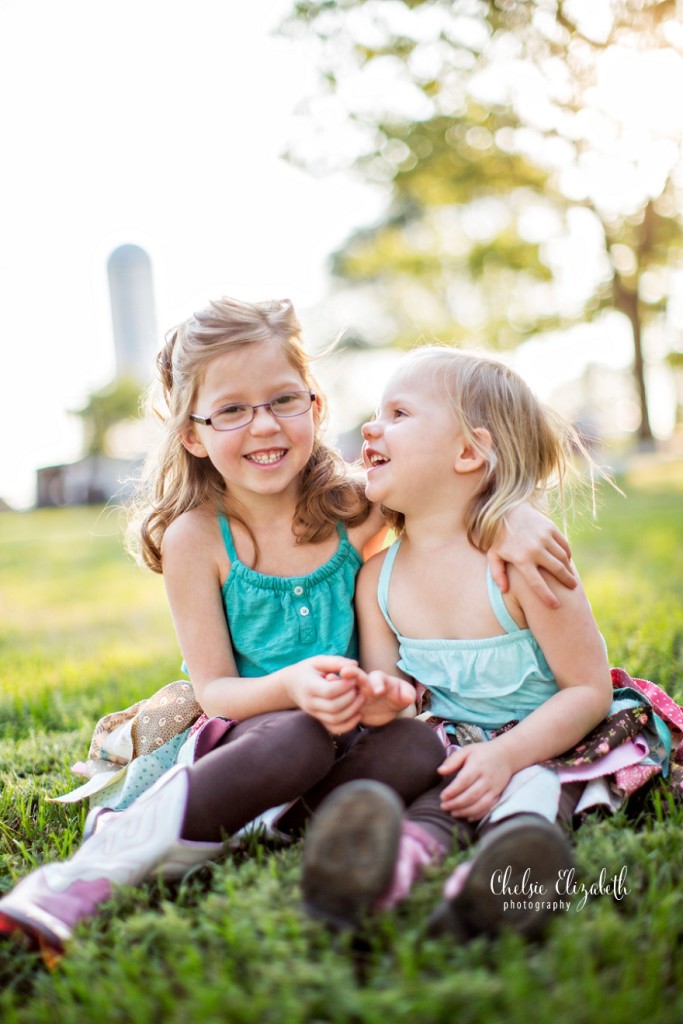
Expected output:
(141, 841)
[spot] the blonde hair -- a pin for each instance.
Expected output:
(174, 481)
(532, 448)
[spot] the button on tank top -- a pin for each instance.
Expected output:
(275, 621)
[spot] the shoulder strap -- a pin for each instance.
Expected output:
(498, 605)
(383, 581)
(226, 533)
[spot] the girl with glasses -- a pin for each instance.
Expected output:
(258, 527)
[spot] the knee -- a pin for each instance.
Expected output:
(291, 731)
(292, 748)
(310, 740)
(418, 741)
(408, 751)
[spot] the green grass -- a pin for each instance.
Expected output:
(83, 632)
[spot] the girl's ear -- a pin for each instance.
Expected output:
(191, 442)
(469, 458)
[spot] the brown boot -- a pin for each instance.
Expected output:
(509, 884)
(350, 852)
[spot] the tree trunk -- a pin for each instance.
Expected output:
(626, 301)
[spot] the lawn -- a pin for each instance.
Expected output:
(83, 631)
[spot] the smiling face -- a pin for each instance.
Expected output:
(411, 446)
(268, 455)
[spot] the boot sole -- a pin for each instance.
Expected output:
(350, 852)
(40, 933)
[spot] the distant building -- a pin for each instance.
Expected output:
(92, 480)
(99, 478)
(131, 293)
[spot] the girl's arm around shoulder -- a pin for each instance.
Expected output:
(530, 541)
(369, 537)
(574, 649)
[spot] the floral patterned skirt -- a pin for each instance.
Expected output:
(641, 738)
(131, 749)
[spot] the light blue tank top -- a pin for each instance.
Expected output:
(275, 621)
(486, 682)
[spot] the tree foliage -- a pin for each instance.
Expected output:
(499, 129)
(104, 409)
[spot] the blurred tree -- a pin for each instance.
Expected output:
(502, 133)
(106, 408)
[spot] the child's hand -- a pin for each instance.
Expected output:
(384, 696)
(315, 686)
(482, 775)
(529, 540)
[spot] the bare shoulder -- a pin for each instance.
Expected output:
(568, 635)
(522, 593)
(573, 611)
(369, 574)
(188, 526)
(194, 535)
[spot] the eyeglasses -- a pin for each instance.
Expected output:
(232, 417)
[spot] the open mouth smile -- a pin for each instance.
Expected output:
(266, 458)
(374, 459)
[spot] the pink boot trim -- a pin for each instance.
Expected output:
(417, 850)
(47, 913)
(456, 882)
(79, 901)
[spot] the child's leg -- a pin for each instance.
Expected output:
(263, 762)
(427, 835)
(47, 904)
(164, 830)
(362, 854)
(357, 841)
(511, 881)
(403, 755)
(426, 815)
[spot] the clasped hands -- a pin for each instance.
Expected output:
(341, 696)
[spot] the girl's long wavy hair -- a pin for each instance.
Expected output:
(533, 449)
(174, 481)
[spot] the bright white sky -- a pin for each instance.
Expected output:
(157, 122)
(162, 123)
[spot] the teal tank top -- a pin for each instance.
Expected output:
(486, 682)
(275, 621)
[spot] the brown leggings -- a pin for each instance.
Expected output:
(460, 833)
(279, 756)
